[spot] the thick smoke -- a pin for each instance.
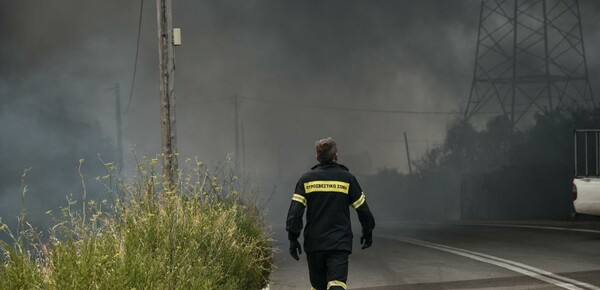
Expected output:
(50, 80)
(335, 54)
(283, 58)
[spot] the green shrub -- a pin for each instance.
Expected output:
(202, 233)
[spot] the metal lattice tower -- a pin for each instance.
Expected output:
(530, 58)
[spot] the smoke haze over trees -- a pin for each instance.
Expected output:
(494, 173)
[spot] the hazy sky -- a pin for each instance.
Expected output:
(59, 59)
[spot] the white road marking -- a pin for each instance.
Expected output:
(501, 225)
(530, 271)
(535, 227)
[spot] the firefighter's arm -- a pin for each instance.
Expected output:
(358, 201)
(294, 220)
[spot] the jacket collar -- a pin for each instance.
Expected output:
(329, 164)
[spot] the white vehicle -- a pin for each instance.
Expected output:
(586, 184)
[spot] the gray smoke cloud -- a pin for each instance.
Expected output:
(338, 54)
(59, 60)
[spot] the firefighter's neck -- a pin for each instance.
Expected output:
(334, 160)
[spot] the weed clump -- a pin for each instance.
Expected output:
(204, 232)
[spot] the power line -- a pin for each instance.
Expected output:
(354, 109)
(137, 50)
(447, 113)
(409, 141)
(216, 100)
(367, 110)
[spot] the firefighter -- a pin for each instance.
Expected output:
(327, 192)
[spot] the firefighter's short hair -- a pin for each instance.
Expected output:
(326, 149)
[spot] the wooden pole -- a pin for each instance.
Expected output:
(243, 165)
(119, 125)
(407, 154)
(236, 119)
(167, 93)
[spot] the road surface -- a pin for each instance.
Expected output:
(463, 256)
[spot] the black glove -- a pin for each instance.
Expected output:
(366, 240)
(295, 249)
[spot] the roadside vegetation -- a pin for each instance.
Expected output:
(206, 232)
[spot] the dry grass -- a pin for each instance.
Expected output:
(203, 233)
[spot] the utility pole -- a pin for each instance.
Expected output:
(119, 125)
(407, 154)
(236, 119)
(167, 93)
(243, 148)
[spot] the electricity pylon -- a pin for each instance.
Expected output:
(530, 58)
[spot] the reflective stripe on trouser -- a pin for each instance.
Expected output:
(335, 283)
(327, 267)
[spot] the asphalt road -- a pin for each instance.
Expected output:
(463, 256)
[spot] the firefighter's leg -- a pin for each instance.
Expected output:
(337, 270)
(317, 270)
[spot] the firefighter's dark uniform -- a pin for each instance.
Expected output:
(327, 192)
